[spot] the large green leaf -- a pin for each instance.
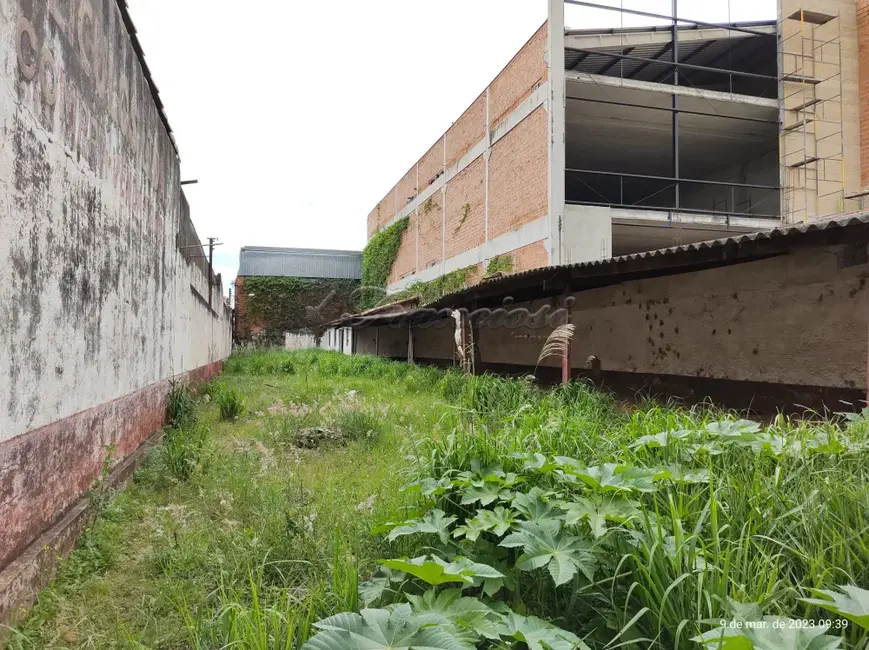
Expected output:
(534, 505)
(537, 634)
(437, 571)
(536, 462)
(384, 629)
(485, 493)
(682, 475)
(429, 487)
(610, 477)
(497, 521)
(733, 428)
(851, 603)
(435, 522)
(449, 606)
(545, 544)
(598, 510)
(372, 589)
(662, 439)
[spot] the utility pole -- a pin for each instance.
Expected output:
(211, 245)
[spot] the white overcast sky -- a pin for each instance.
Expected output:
(298, 116)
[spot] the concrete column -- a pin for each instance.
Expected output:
(557, 118)
(486, 156)
(410, 344)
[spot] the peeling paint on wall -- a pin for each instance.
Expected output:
(98, 291)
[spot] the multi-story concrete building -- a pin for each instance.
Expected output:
(600, 142)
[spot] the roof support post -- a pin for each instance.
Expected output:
(566, 370)
(557, 81)
(410, 356)
(675, 50)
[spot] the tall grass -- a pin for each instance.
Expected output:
(269, 536)
(785, 511)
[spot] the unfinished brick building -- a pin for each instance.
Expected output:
(593, 143)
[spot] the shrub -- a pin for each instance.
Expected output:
(182, 450)
(211, 389)
(357, 424)
(231, 404)
(180, 406)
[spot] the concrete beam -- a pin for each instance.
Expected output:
(682, 91)
(659, 218)
(582, 41)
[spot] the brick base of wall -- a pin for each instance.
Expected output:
(47, 471)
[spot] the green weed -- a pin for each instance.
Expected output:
(231, 404)
(180, 406)
(183, 450)
(527, 518)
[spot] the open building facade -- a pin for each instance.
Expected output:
(689, 195)
(594, 143)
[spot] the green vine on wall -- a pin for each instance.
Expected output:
(499, 264)
(275, 305)
(377, 260)
(432, 290)
(466, 212)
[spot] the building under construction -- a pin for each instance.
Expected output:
(644, 138)
(689, 195)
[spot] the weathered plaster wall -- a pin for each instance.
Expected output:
(435, 341)
(805, 324)
(392, 342)
(101, 300)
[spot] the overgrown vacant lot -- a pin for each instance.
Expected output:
(317, 501)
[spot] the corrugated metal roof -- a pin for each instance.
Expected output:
(300, 262)
(555, 280)
(664, 256)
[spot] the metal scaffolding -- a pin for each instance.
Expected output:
(812, 143)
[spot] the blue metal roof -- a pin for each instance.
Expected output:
(300, 262)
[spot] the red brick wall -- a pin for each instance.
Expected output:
(387, 208)
(373, 222)
(519, 79)
(522, 154)
(431, 165)
(863, 44)
(466, 205)
(467, 131)
(407, 190)
(530, 257)
(430, 228)
(518, 186)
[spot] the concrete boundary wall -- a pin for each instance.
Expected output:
(105, 291)
(797, 338)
